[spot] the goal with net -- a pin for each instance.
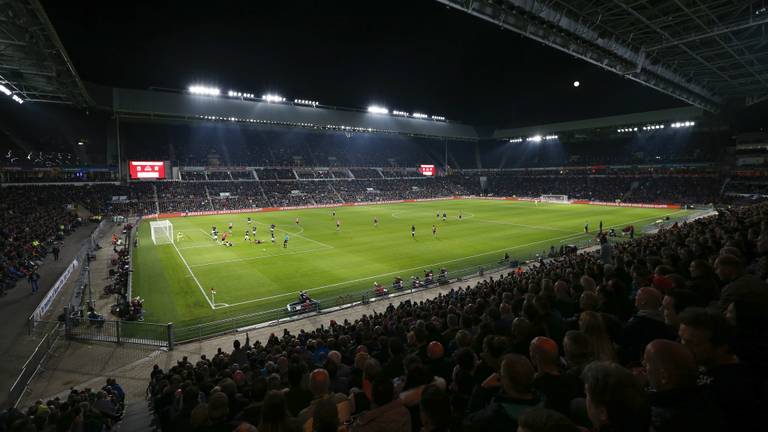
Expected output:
(162, 232)
(562, 199)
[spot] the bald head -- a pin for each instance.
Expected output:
(335, 356)
(648, 299)
(544, 354)
(587, 283)
(669, 365)
(516, 374)
(319, 382)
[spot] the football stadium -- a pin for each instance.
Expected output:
(435, 215)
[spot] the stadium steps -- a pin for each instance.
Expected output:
(157, 201)
(341, 200)
(208, 195)
(261, 189)
(137, 417)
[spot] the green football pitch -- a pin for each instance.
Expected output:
(177, 280)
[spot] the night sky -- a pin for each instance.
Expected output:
(410, 55)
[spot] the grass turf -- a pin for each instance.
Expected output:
(176, 280)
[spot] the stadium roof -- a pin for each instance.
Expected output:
(612, 122)
(177, 105)
(706, 53)
(33, 62)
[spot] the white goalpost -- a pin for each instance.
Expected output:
(561, 199)
(162, 232)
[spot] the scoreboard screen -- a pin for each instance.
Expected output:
(427, 170)
(146, 170)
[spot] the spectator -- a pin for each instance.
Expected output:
(646, 325)
(275, 416)
(388, 413)
(557, 389)
(503, 396)
(325, 417)
(593, 326)
(297, 397)
(731, 383)
(739, 285)
(615, 400)
(319, 385)
(675, 400)
(545, 420)
(578, 352)
(434, 409)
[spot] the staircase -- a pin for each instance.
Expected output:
(157, 201)
(208, 195)
(330, 184)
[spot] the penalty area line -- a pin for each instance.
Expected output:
(193, 276)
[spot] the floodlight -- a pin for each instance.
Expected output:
(5, 90)
(535, 138)
(374, 109)
(17, 99)
(203, 90)
(273, 98)
(420, 115)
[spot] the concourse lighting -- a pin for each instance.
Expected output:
(305, 102)
(682, 124)
(653, 127)
(204, 90)
(374, 109)
(233, 93)
(273, 98)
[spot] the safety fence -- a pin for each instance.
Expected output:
(36, 361)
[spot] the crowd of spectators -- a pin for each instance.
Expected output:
(80, 410)
(678, 189)
(662, 333)
(32, 225)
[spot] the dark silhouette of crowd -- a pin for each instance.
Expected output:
(32, 225)
(81, 410)
(665, 333)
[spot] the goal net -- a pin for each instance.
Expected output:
(162, 232)
(563, 199)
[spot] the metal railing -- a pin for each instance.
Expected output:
(117, 331)
(34, 363)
